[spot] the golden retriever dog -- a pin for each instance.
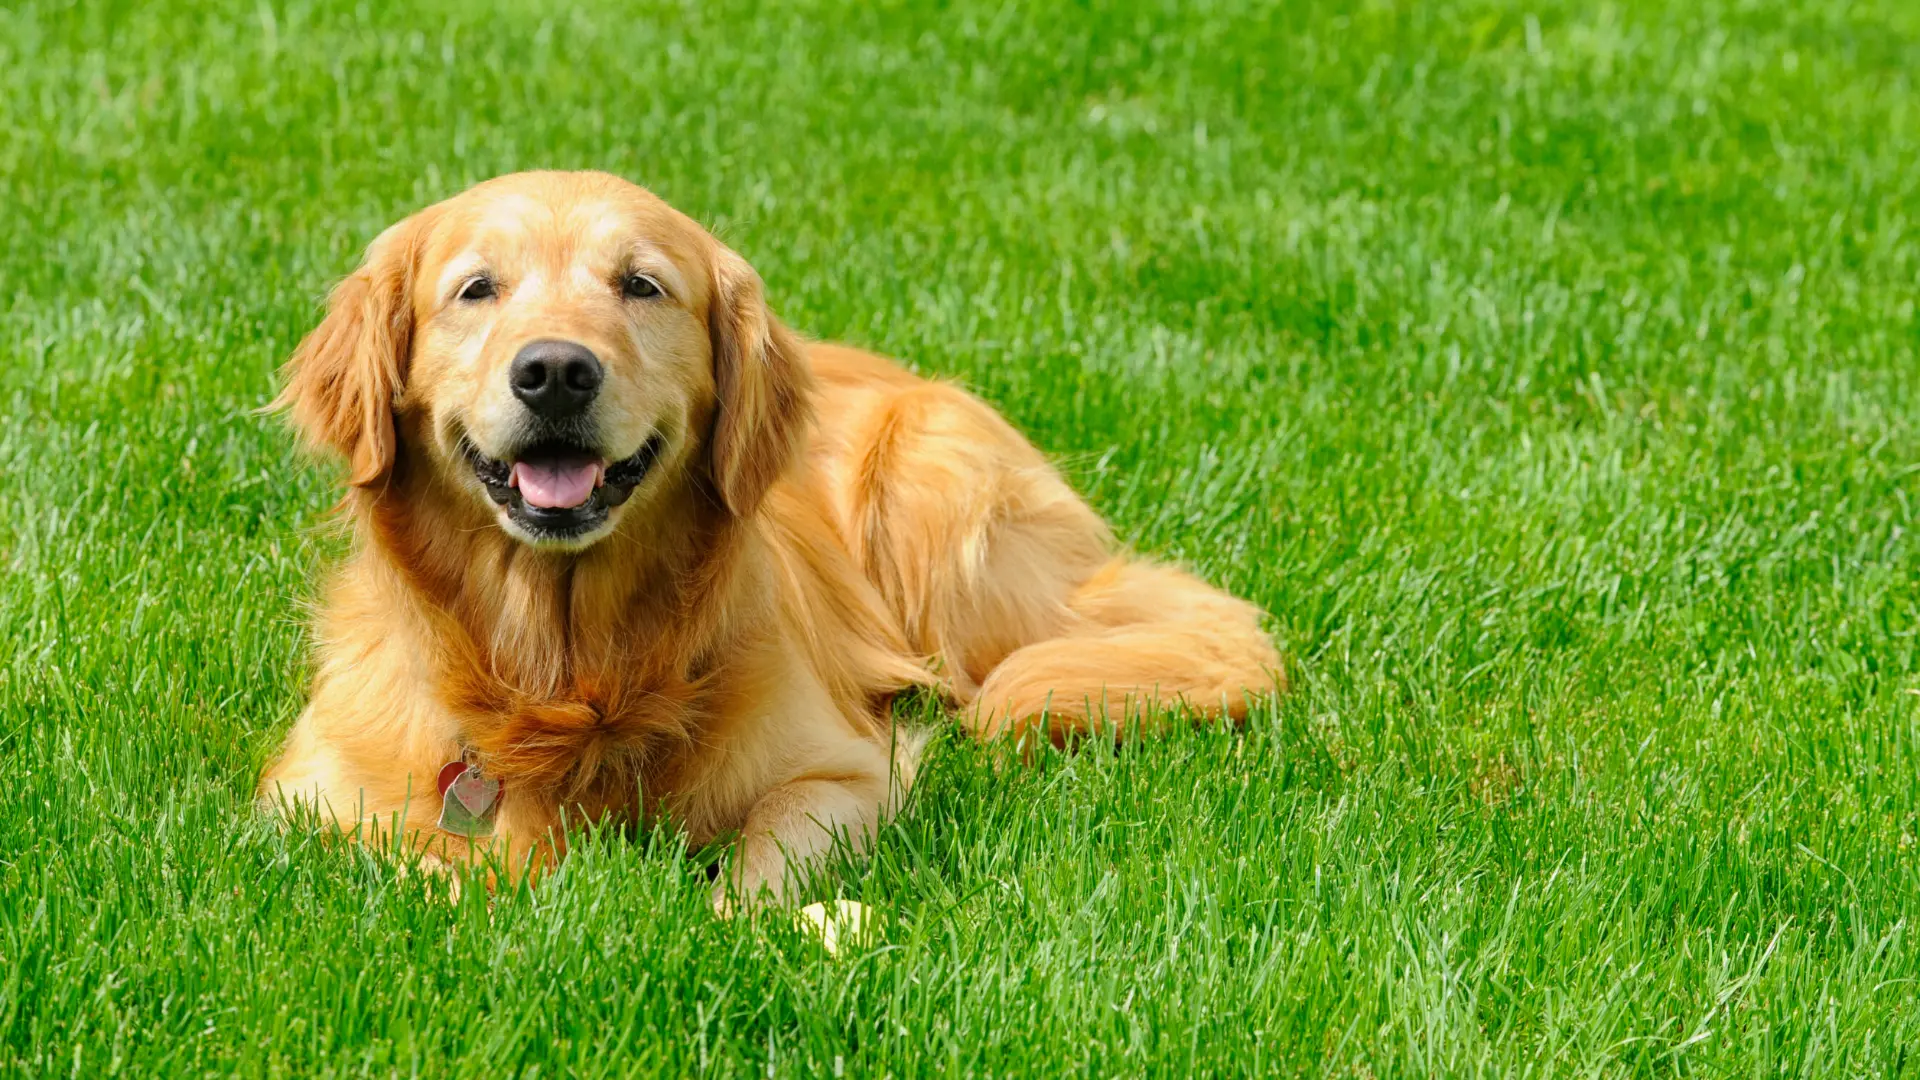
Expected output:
(624, 545)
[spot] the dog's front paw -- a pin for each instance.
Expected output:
(745, 893)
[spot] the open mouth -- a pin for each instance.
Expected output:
(557, 490)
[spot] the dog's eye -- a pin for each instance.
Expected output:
(639, 287)
(477, 288)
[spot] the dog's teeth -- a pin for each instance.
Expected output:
(599, 475)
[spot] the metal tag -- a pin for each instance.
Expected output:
(469, 800)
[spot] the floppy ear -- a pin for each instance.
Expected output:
(764, 383)
(340, 384)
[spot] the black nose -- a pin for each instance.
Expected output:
(555, 378)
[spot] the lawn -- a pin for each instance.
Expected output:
(1547, 372)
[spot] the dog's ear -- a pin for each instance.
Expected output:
(340, 384)
(764, 383)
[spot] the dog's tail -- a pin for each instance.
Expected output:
(1141, 640)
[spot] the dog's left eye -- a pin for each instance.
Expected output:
(639, 287)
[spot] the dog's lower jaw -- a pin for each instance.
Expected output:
(564, 543)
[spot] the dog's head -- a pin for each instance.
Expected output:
(558, 348)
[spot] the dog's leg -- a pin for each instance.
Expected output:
(998, 570)
(973, 539)
(363, 764)
(1145, 638)
(793, 827)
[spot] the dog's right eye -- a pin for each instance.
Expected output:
(477, 288)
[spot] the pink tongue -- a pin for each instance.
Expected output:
(555, 485)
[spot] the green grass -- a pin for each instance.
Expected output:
(1547, 372)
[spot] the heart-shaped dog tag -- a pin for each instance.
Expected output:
(469, 800)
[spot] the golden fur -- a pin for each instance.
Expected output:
(822, 530)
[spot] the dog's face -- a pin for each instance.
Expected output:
(557, 347)
(560, 351)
